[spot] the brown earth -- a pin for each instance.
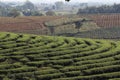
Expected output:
(35, 25)
(105, 20)
(25, 24)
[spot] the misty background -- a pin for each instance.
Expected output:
(14, 8)
(72, 1)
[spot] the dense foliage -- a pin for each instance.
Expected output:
(26, 9)
(102, 9)
(31, 57)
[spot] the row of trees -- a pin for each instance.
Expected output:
(102, 9)
(28, 9)
(15, 13)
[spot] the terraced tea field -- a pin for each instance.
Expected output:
(112, 33)
(105, 20)
(31, 57)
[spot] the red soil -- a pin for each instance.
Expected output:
(105, 20)
(21, 24)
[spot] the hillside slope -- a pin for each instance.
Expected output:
(31, 57)
(103, 33)
(105, 20)
(31, 25)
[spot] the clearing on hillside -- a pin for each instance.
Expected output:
(33, 24)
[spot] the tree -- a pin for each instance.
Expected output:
(101, 9)
(52, 30)
(37, 13)
(28, 6)
(27, 13)
(78, 24)
(59, 4)
(50, 13)
(14, 13)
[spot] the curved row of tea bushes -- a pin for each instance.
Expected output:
(32, 57)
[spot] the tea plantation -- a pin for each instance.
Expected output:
(31, 57)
